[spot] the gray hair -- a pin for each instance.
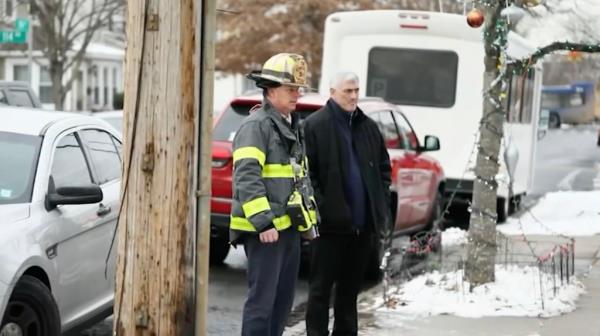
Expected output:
(341, 77)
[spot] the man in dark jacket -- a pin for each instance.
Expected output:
(351, 175)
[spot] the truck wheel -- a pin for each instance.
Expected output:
(502, 208)
(515, 205)
(219, 248)
(31, 310)
(554, 120)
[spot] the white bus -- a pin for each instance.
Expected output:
(431, 65)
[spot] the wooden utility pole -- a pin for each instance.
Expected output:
(158, 288)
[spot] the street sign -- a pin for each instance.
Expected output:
(19, 35)
(13, 37)
(22, 24)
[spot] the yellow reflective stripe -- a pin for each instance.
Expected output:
(282, 223)
(249, 153)
(255, 206)
(242, 224)
(278, 171)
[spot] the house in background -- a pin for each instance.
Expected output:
(99, 78)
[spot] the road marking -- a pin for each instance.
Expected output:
(567, 182)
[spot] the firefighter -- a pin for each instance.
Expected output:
(272, 205)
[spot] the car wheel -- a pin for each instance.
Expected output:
(554, 120)
(31, 310)
(219, 248)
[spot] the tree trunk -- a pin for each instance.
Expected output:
(56, 71)
(481, 250)
(156, 265)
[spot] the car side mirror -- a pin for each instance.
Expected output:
(432, 143)
(88, 194)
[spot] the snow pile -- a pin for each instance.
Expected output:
(516, 292)
(572, 213)
(453, 237)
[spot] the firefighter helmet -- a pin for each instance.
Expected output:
(282, 69)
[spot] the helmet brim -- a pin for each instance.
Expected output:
(270, 81)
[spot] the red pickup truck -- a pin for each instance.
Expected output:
(417, 179)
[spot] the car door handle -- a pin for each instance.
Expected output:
(103, 210)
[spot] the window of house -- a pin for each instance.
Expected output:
(8, 8)
(45, 86)
(115, 80)
(21, 73)
(105, 75)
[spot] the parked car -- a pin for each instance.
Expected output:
(417, 179)
(60, 181)
(114, 118)
(18, 94)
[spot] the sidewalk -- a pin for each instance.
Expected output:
(584, 321)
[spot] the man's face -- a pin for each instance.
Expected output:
(346, 95)
(284, 98)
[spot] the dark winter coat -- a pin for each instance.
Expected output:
(328, 167)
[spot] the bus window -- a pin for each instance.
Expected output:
(520, 98)
(413, 76)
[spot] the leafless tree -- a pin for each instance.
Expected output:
(66, 29)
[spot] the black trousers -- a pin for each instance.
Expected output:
(272, 274)
(339, 260)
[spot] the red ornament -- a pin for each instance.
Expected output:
(475, 18)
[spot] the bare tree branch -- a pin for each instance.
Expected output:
(64, 26)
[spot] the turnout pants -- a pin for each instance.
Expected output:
(272, 273)
(340, 260)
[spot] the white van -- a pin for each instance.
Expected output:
(431, 65)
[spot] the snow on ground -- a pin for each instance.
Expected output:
(454, 236)
(516, 292)
(571, 213)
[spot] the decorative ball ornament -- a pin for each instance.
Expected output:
(475, 18)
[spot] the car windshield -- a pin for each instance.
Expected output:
(232, 118)
(19, 155)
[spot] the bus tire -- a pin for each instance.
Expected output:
(554, 120)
